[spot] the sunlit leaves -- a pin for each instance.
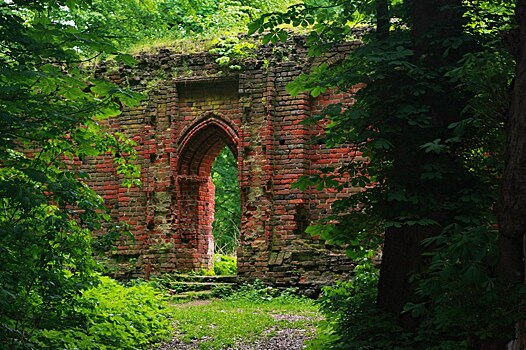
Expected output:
(489, 18)
(226, 226)
(47, 128)
(323, 231)
(127, 23)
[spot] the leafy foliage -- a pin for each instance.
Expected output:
(50, 120)
(232, 50)
(113, 317)
(353, 321)
(128, 23)
(225, 265)
(227, 203)
(430, 125)
(260, 292)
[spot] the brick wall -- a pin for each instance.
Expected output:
(193, 110)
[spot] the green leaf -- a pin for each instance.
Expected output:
(417, 310)
(381, 144)
(434, 147)
(127, 59)
(103, 88)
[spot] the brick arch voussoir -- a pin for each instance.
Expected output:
(200, 142)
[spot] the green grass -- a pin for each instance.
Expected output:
(197, 43)
(242, 318)
(177, 45)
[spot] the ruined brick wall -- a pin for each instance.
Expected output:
(194, 109)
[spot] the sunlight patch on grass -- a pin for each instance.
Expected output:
(224, 323)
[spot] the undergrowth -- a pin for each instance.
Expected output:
(113, 317)
(352, 319)
(177, 45)
(225, 265)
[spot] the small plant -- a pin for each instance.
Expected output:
(205, 272)
(225, 265)
(231, 50)
(222, 292)
(258, 292)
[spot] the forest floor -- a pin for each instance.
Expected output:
(244, 324)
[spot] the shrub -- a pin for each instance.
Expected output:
(116, 317)
(258, 292)
(355, 322)
(225, 264)
(352, 319)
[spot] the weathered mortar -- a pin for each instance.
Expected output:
(194, 109)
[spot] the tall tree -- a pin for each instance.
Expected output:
(433, 25)
(49, 122)
(429, 120)
(512, 212)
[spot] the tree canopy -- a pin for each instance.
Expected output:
(438, 116)
(129, 23)
(429, 117)
(50, 116)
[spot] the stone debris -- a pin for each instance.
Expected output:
(286, 339)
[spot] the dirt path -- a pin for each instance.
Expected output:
(285, 339)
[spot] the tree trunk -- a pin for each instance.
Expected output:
(402, 253)
(382, 19)
(512, 208)
(402, 256)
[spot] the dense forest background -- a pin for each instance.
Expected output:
(440, 117)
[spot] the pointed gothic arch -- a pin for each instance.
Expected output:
(197, 149)
(182, 126)
(201, 142)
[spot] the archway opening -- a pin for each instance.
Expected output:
(211, 141)
(227, 212)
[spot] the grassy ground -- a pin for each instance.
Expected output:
(243, 317)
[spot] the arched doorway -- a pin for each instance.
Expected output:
(227, 213)
(199, 146)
